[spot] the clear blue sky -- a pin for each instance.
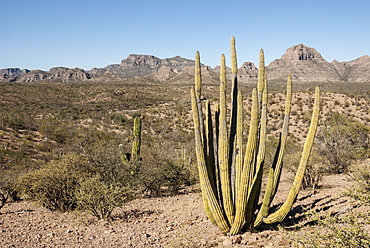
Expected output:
(41, 34)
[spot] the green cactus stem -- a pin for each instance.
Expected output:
(223, 148)
(230, 178)
(136, 143)
(133, 158)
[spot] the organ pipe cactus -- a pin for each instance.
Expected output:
(231, 172)
(134, 156)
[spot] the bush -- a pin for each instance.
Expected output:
(13, 165)
(100, 198)
(360, 174)
(339, 231)
(343, 140)
(3, 198)
(55, 184)
(315, 169)
(163, 168)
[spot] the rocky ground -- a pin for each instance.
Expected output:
(175, 221)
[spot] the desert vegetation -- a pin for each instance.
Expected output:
(231, 180)
(62, 146)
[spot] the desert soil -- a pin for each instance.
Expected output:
(174, 221)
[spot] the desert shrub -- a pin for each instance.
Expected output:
(57, 130)
(360, 174)
(100, 198)
(315, 169)
(165, 167)
(3, 198)
(55, 184)
(341, 230)
(349, 227)
(103, 150)
(13, 165)
(343, 140)
(17, 120)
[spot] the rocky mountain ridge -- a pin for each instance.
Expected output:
(303, 63)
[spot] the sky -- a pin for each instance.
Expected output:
(41, 34)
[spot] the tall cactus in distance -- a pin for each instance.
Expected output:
(134, 157)
(136, 143)
(231, 172)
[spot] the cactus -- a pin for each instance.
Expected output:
(230, 180)
(134, 156)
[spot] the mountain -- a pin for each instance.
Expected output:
(144, 65)
(303, 63)
(56, 74)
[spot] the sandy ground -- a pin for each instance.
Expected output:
(175, 221)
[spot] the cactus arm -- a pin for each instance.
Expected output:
(198, 77)
(239, 142)
(210, 148)
(223, 150)
(246, 177)
(261, 75)
(136, 143)
(210, 201)
(217, 164)
(276, 167)
(284, 135)
(280, 214)
(233, 121)
(234, 67)
(257, 181)
(198, 93)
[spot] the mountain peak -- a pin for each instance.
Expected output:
(302, 52)
(140, 60)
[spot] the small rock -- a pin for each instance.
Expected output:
(249, 238)
(227, 243)
(236, 239)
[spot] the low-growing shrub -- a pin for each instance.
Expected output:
(338, 231)
(360, 173)
(315, 169)
(342, 140)
(100, 198)
(165, 169)
(55, 184)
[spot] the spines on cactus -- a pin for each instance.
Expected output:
(230, 172)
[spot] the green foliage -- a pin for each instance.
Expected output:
(17, 120)
(100, 198)
(13, 165)
(161, 173)
(360, 174)
(316, 166)
(343, 140)
(349, 227)
(342, 230)
(55, 184)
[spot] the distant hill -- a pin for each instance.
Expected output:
(303, 63)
